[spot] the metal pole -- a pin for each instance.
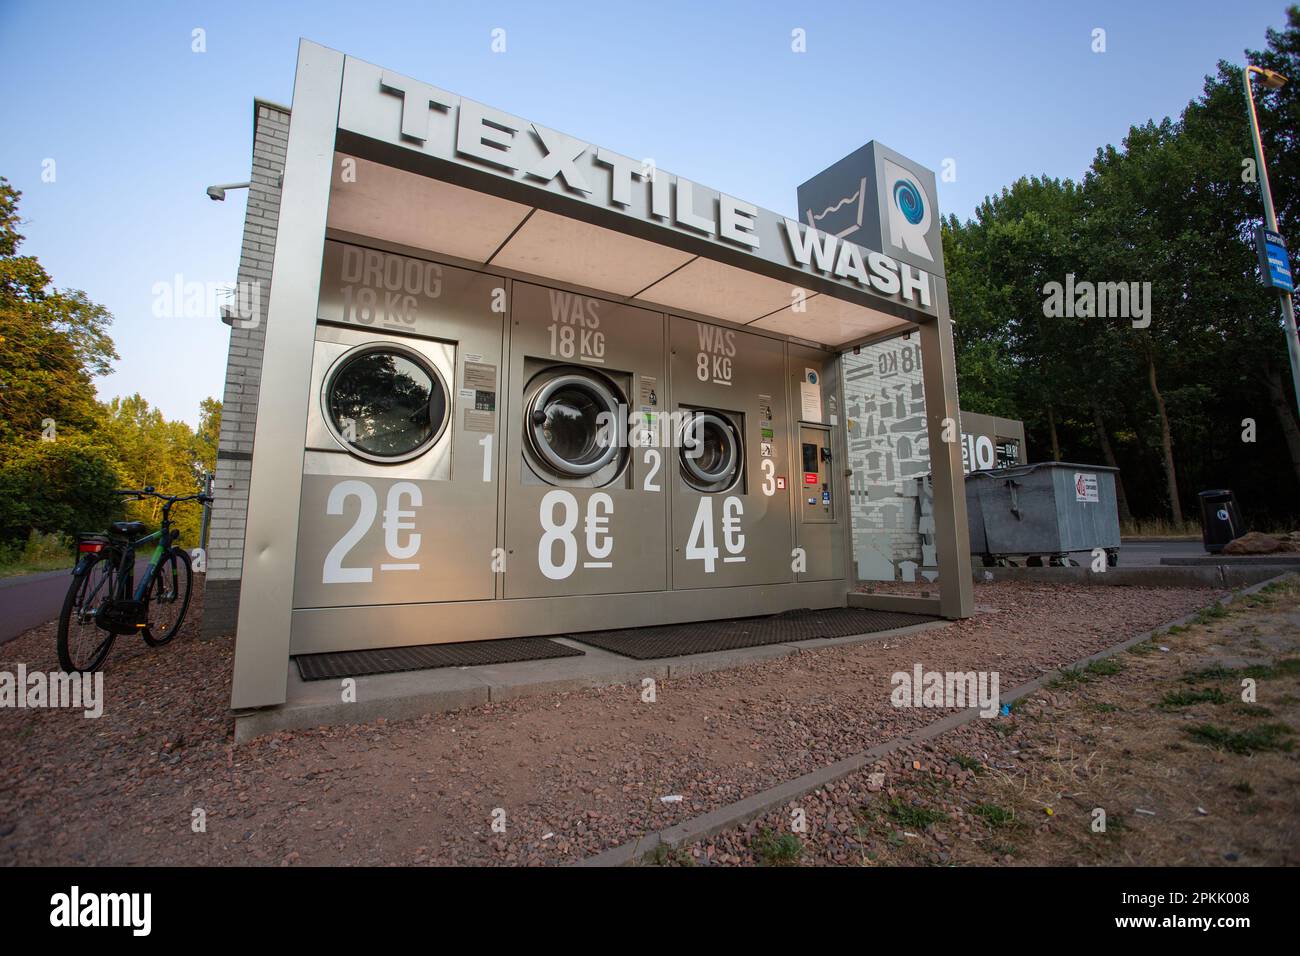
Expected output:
(207, 512)
(1270, 222)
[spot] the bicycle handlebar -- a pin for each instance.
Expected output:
(148, 492)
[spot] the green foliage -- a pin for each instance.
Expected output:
(915, 818)
(40, 552)
(1168, 205)
(773, 850)
(62, 486)
(1188, 698)
(52, 345)
(1250, 741)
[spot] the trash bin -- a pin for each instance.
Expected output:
(1220, 522)
(1043, 512)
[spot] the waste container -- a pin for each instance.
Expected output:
(1043, 512)
(1220, 522)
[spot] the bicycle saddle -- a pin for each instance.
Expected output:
(126, 528)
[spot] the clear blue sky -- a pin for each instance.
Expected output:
(139, 125)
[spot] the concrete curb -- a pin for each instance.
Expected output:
(1164, 576)
(742, 811)
(415, 693)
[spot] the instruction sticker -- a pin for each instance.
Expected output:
(649, 397)
(1085, 487)
(479, 375)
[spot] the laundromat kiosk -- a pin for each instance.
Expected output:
(515, 384)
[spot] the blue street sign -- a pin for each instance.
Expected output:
(1274, 263)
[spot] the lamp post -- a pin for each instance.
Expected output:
(1273, 80)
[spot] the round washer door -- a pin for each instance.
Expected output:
(710, 452)
(570, 424)
(385, 403)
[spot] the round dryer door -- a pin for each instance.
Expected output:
(570, 423)
(711, 453)
(385, 403)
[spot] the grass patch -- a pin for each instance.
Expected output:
(1106, 667)
(773, 850)
(1208, 673)
(1252, 710)
(1244, 787)
(1070, 677)
(1188, 698)
(1250, 741)
(915, 818)
(1285, 667)
(968, 763)
(1105, 708)
(40, 552)
(1078, 676)
(1215, 612)
(994, 815)
(664, 855)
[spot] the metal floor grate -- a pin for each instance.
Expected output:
(393, 660)
(676, 640)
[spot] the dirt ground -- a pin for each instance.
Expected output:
(569, 774)
(1158, 739)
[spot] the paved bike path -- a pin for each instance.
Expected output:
(29, 600)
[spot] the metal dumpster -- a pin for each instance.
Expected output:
(1042, 512)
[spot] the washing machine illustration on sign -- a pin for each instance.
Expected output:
(586, 507)
(399, 472)
(731, 525)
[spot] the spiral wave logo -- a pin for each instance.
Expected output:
(910, 211)
(907, 196)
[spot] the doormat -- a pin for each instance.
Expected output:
(394, 660)
(701, 637)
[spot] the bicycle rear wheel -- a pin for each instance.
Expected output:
(168, 598)
(83, 644)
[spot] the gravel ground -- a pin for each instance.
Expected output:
(1121, 736)
(571, 774)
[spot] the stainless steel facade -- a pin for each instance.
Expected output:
(446, 327)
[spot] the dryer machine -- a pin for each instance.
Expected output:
(398, 503)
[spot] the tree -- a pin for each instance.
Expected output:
(51, 343)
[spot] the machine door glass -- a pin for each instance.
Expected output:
(385, 403)
(710, 451)
(571, 424)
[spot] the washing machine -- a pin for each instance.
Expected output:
(731, 514)
(585, 504)
(400, 484)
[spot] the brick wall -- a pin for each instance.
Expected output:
(244, 371)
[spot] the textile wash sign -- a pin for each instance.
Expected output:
(395, 109)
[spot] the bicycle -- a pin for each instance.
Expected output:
(102, 602)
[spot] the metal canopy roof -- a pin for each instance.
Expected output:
(424, 213)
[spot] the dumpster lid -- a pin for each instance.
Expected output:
(1013, 470)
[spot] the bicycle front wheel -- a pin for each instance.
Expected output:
(83, 644)
(168, 598)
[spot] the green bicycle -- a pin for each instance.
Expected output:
(102, 601)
